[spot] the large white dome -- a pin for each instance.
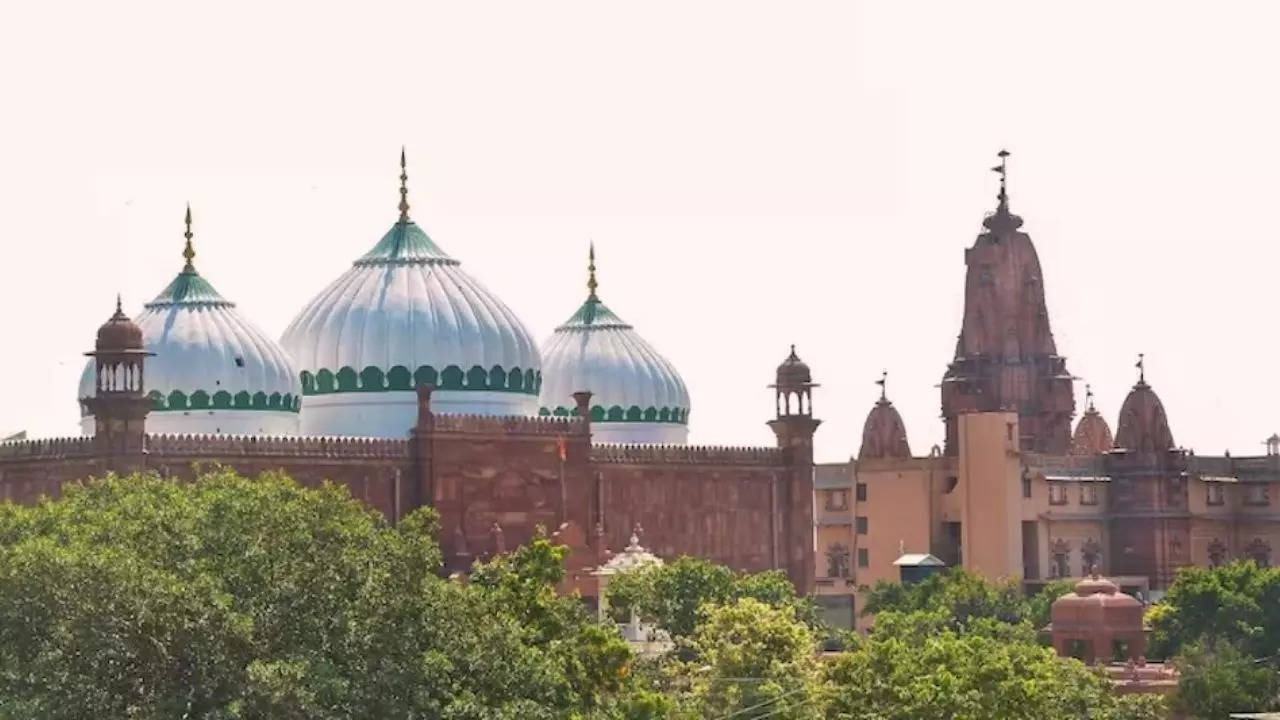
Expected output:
(637, 395)
(213, 371)
(404, 315)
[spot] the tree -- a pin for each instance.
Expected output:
(924, 674)
(1238, 603)
(962, 598)
(226, 597)
(1217, 679)
(673, 595)
(756, 661)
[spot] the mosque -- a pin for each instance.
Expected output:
(410, 383)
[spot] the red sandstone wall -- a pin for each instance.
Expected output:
(715, 504)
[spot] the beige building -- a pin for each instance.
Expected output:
(1015, 492)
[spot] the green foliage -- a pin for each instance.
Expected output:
(1218, 679)
(233, 598)
(947, 675)
(673, 595)
(755, 661)
(961, 600)
(1238, 603)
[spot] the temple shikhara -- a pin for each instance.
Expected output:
(410, 383)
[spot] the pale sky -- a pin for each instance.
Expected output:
(753, 174)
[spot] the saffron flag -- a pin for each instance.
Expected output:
(564, 452)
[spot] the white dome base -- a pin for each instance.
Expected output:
(393, 414)
(213, 422)
(639, 433)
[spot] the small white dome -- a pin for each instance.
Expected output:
(213, 371)
(406, 315)
(637, 395)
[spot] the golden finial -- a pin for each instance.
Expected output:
(591, 273)
(404, 189)
(884, 380)
(189, 252)
(1142, 368)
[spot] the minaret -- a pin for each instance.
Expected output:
(119, 404)
(794, 426)
(1005, 356)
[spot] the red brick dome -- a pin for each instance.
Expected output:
(1096, 604)
(884, 435)
(793, 372)
(1143, 425)
(119, 333)
(1093, 435)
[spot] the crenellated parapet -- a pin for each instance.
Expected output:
(48, 449)
(264, 446)
(506, 425)
(685, 455)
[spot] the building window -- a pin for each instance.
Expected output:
(863, 559)
(861, 491)
(838, 560)
(1260, 552)
(1088, 493)
(1057, 493)
(1026, 484)
(1214, 494)
(1060, 559)
(1217, 552)
(837, 499)
(1257, 494)
(860, 524)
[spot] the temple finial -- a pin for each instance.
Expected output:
(119, 305)
(884, 379)
(1142, 369)
(591, 273)
(1003, 170)
(1088, 398)
(188, 252)
(404, 188)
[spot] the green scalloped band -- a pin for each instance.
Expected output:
(373, 379)
(178, 401)
(223, 400)
(617, 413)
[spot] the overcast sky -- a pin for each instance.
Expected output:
(753, 175)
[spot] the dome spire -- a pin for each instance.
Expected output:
(1002, 220)
(119, 305)
(591, 273)
(1003, 170)
(1088, 398)
(404, 188)
(1142, 368)
(188, 252)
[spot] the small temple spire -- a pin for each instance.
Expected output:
(404, 188)
(188, 252)
(119, 306)
(591, 273)
(882, 382)
(1142, 368)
